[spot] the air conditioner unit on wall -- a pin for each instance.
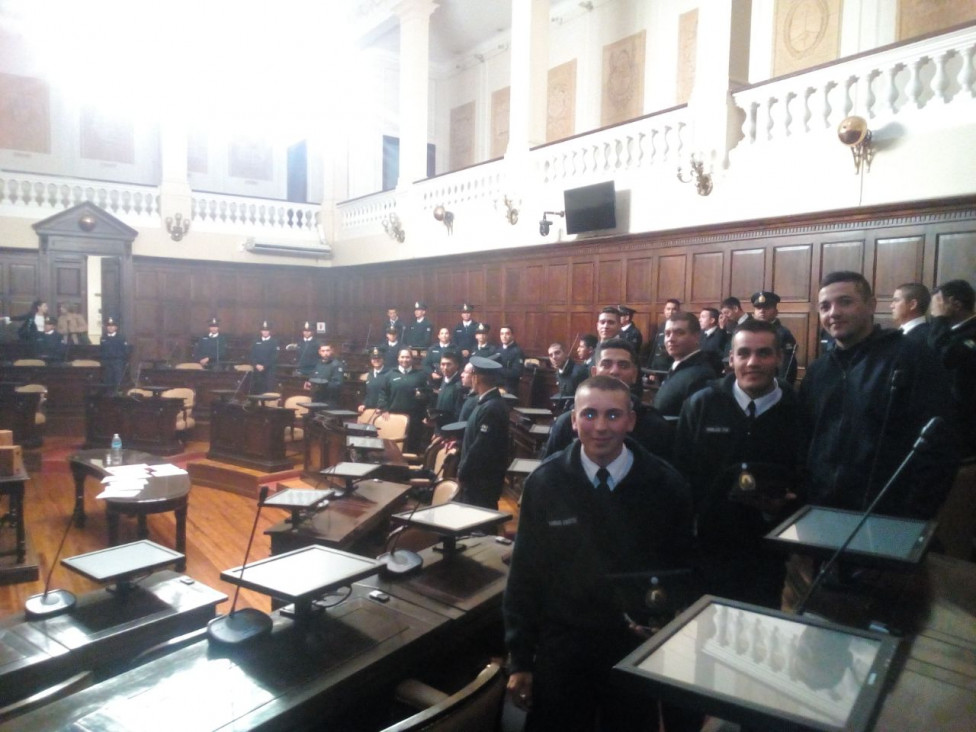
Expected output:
(282, 249)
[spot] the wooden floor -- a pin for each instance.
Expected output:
(218, 526)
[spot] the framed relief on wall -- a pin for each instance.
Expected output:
(500, 108)
(807, 34)
(561, 108)
(687, 52)
(462, 136)
(918, 17)
(623, 80)
(25, 114)
(106, 138)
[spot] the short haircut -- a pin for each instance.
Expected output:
(675, 300)
(452, 356)
(605, 383)
(961, 290)
(760, 326)
(918, 292)
(557, 344)
(326, 345)
(622, 343)
(503, 327)
(711, 311)
(856, 278)
(589, 340)
(689, 319)
(732, 302)
(611, 310)
(408, 350)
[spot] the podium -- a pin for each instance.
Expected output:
(250, 435)
(143, 424)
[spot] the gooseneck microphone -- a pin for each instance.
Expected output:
(51, 603)
(240, 626)
(930, 428)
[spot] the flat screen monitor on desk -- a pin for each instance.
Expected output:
(883, 541)
(762, 668)
(300, 576)
(350, 474)
(452, 520)
(122, 564)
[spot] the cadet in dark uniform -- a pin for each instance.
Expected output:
(463, 336)
(405, 391)
(391, 349)
(211, 349)
(451, 392)
(584, 351)
(375, 378)
(432, 360)
(660, 360)
(420, 332)
(49, 345)
(512, 359)
(470, 400)
(393, 321)
(713, 337)
(326, 377)
(263, 357)
(569, 374)
(483, 348)
(765, 303)
(953, 336)
(113, 352)
(691, 368)
(308, 351)
(628, 331)
(484, 448)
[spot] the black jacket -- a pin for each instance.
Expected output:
(213, 348)
(512, 360)
(374, 386)
(572, 375)
(687, 377)
(957, 351)
(418, 334)
(484, 448)
(569, 542)
(400, 392)
(845, 399)
(651, 431)
(308, 356)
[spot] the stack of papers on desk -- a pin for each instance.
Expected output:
(127, 481)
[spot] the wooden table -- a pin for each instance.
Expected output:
(92, 464)
(103, 631)
(142, 423)
(344, 522)
(250, 435)
(18, 413)
(12, 487)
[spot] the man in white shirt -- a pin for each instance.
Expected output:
(909, 304)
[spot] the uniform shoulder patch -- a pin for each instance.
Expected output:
(484, 428)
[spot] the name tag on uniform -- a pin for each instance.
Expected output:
(571, 521)
(718, 430)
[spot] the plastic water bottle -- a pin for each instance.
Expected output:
(116, 449)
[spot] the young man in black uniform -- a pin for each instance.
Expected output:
(211, 349)
(420, 332)
(391, 349)
(629, 331)
(450, 393)
(483, 348)
(909, 304)
(953, 336)
(512, 359)
(659, 360)
(113, 352)
(691, 368)
(374, 380)
(263, 357)
(765, 304)
(603, 507)
(432, 360)
(393, 321)
(713, 338)
(484, 448)
(464, 332)
(326, 377)
(569, 374)
(49, 345)
(308, 351)
(608, 323)
(585, 350)
(738, 444)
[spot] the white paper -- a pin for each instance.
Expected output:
(166, 469)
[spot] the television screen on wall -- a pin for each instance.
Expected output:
(590, 208)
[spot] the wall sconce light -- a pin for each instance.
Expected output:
(546, 223)
(511, 213)
(442, 214)
(703, 180)
(853, 132)
(393, 228)
(177, 226)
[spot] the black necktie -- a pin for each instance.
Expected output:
(751, 411)
(603, 481)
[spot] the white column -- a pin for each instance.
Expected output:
(174, 186)
(414, 18)
(529, 76)
(721, 64)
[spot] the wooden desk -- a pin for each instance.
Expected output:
(103, 631)
(342, 523)
(13, 488)
(92, 464)
(18, 412)
(252, 436)
(142, 423)
(298, 677)
(202, 381)
(161, 494)
(66, 391)
(325, 446)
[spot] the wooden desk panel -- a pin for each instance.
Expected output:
(143, 423)
(249, 435)
(202, 382)
(18, 411)
(66, 390)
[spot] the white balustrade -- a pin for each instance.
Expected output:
(40, 196)
(365, 211)
(236, 213)
(903, 79)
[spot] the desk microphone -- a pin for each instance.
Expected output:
(240, 626)
(51, 603)
(930, 428)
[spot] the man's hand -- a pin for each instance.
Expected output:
(361, 408)
(258, 367)
(307, 386)
(938, 305)
(204, 361)
(520, 689)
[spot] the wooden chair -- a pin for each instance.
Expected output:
(29, 362)
(296, 431)
(475, 708)
(39, 417)
(86, 362)
(184, 418)
(243, 367)
(189, 366)
(392, 427)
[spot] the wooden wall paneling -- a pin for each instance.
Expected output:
(475, 292)
(557, 284)
(791, 272)
(611, 288)
(532, 333)
(557, 328)
(706, 278)
(582, 284)
(514, 293)
(671, 277)
(19, 282)
(896, 260)
(638, 285)
(581, 324)
(533, 284)
(250, 310)
(840, 255)
(494, 287)
(955, 257)
(748, 273)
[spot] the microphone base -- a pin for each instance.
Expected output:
(240, 626)
(400, 561)
(55, 602)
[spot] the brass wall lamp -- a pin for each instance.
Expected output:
(853, 131)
